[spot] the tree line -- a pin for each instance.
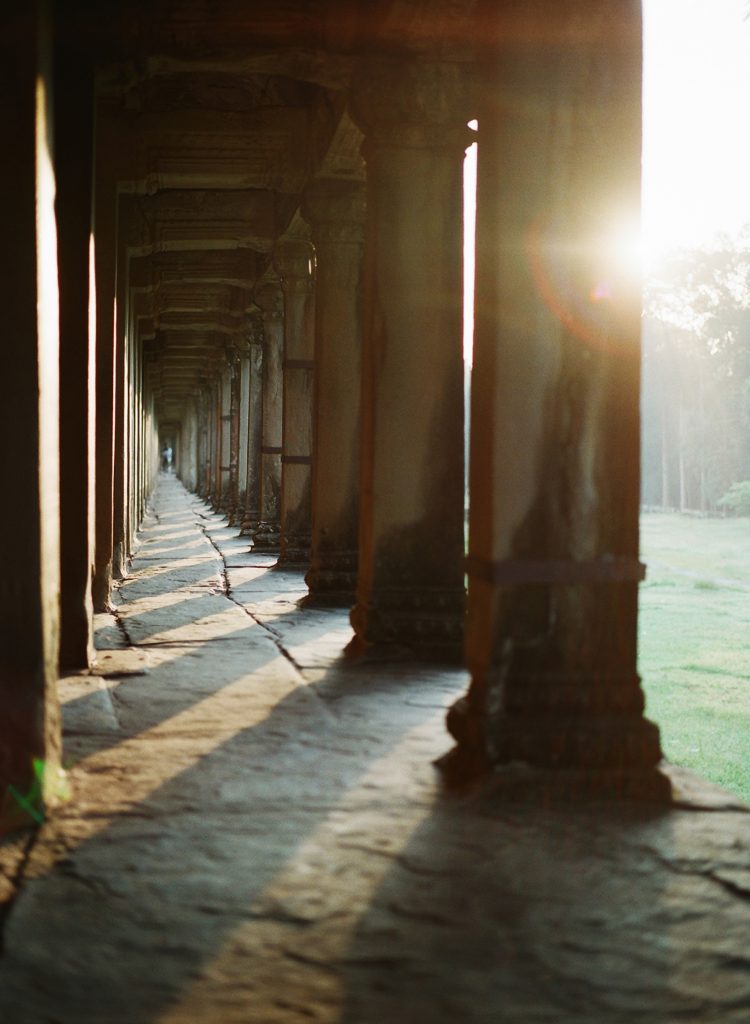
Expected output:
(696, 378)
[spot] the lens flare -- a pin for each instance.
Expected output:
(591, 283)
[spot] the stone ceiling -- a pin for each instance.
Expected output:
(213, 116)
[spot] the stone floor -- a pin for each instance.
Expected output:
(257, 834)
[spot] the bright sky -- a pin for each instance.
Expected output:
(696, 157)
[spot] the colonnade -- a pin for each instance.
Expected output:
(307, 367)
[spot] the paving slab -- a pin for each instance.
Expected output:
(257, 834)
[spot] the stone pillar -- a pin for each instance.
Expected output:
(130, 425)
(139, 436)
(146, 367)
(189, 460)
(105, 238)
(74, 153)
(243, 348)
(204, 441)
(270, 299)
(410, 592)
(335, 210)
(136, 433)
(215, 451)
(29, 419)
(121, 540)
(251, 519)
(223, 426)
(230, 500)
(293, 259)
(553, 563)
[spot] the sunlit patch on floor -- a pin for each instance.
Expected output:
(301, 927)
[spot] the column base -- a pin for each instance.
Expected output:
(76, 642)
(428, 623)
(250, 522)
(237, 511)
(267, 537)
(602, 742)
(333, 583)
(295, 551)
(559, 754)
(101, 588)
(119, 562)
(524, 783)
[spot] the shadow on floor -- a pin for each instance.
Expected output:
(125, 918)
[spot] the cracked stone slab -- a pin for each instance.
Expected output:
(107, 634)
(87, 705)
(121, 662)
(265, 579)
(248, 560)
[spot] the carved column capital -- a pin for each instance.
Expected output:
(270, 298)
(255, 333)
(293, 259)
(335, 210)
(413, 103)
(231, 354)
(214, 364)
(242, 343)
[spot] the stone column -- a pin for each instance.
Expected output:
(293, 259)
(251, 519)
(204, 434)
(204, 441)
(186, 461)
(224, 422)
(215, 450)
(553, 563)
(410, 592)
(29, 418)
(130, 421)
(122, 531)
(133, 431)
(105, 238)
(336, 210)
(270, 299)
(74, 153)
(210, 438)
(230, 501)
(140, 361)
(243, 349)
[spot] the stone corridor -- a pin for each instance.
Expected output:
(257, 835)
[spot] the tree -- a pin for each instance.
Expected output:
(696, 393)
(737, 498)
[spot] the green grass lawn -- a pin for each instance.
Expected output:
(694, 644)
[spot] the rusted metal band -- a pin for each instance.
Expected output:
(297, 460)
(269, 449)
(299, 364)
(516, 572)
